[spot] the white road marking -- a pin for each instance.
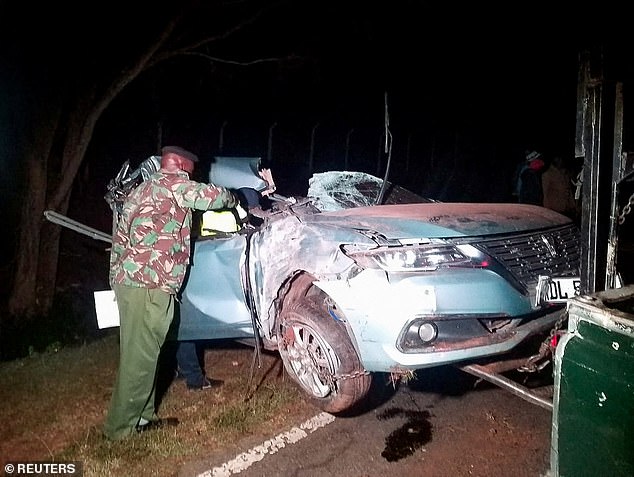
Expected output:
(246, 459)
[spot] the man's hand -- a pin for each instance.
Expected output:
(268, 178)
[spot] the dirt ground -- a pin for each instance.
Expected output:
(54, 404)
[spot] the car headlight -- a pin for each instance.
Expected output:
(412, 258)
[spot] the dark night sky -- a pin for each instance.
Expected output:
(501, 80)
(471, 86)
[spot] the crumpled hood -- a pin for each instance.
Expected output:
(436, 220)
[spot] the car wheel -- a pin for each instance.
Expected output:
(319, 356)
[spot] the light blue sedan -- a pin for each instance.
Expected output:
(345, 289)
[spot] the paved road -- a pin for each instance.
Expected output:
(446, 423)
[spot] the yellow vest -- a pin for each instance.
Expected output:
(226, 221)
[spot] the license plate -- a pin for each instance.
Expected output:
(557, 289)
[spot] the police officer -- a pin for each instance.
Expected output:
(148, 261)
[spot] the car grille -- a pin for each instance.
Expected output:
(554, 252)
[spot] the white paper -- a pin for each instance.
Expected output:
(107, 309)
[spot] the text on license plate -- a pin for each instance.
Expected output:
(558, 290)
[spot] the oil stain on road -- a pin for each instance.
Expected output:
(408, 438)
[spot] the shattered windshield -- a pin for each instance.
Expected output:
(336, 190)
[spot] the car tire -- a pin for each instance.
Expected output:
(318, 355)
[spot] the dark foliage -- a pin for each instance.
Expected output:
(72, 321)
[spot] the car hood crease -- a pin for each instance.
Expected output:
(444, 219)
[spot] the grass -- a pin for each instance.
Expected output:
(54, 404)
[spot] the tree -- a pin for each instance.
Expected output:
(61, 131)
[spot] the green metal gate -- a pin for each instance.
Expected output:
(593, 413)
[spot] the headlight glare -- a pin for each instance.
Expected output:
(409, 258)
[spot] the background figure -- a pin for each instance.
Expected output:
(189, 353)
(557, 186)
(529, 181)
(190, 366)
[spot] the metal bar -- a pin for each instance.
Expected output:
(508, 384)
(618, 171)
(64, 221)
(504, 365)
(589, 212)
(601, 100)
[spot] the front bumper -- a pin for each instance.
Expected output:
(476, 312)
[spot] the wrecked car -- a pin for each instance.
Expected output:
(346, 290)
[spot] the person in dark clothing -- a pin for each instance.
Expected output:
(529, 183)
(188, 357)
(189, 354)
(557, 185)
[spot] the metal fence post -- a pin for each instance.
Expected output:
(311, 154)
(347, 148)
(270, 147)
(221, 136)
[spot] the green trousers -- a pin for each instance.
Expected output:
(145, 315)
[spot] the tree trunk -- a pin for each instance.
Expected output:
(49, 185)
(47, 266)
(53, 162)
(23, 299)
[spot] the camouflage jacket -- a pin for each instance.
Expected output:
(151, 243)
